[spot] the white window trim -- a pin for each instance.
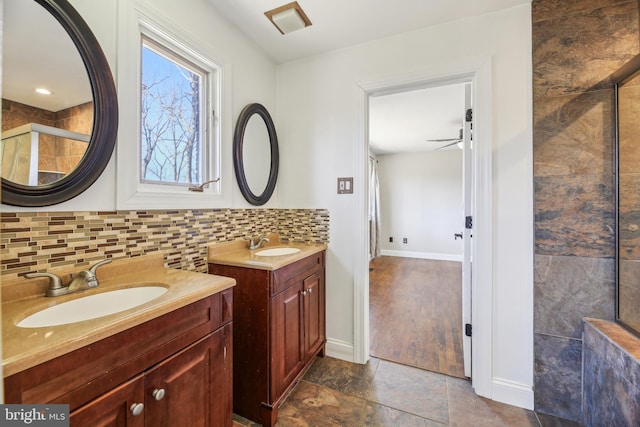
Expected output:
(135, 20)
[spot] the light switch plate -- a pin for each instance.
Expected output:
(345, 185)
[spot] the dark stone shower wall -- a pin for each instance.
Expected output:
(577, 45)
(611, 375)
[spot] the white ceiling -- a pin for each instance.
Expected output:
(340, 23)
(398, 123)
(405, 122)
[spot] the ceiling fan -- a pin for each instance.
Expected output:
(451, 141)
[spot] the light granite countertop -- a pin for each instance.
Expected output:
(23, 348)
(238, 254)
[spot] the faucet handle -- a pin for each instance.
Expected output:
(55, 282)
(95, 266)
(255, 243)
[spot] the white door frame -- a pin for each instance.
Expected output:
(467, 230)
(478, 71)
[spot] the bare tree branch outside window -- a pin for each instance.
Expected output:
(170, 120)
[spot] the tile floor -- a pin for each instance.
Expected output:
(380, 394)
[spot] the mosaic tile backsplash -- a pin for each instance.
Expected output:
(38, 241)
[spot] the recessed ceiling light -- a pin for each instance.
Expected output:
(43, 91)
(288, 18)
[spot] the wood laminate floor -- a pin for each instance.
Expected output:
(415, 313)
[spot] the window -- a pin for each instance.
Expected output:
(174, 131)
(173, 112)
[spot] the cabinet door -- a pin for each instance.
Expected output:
(287, 335)
(313, 297)
(180, 391)
(221, 384)
(113, 409)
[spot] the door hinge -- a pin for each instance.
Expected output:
(469, 115)
(467, 329)
(468, 222)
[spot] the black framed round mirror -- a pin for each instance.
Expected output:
(255, 154)
(102, 138)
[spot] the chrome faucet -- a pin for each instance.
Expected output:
(256, 243)
(85, 279)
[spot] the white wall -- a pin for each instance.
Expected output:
(253, 77)
(421, 199)
(319, 125)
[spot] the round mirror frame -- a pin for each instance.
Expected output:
(238, 160)
(105, 123)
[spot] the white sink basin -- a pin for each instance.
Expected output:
(278, 251)
(93, 306)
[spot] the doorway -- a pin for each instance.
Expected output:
(477, 70)
(417, 138)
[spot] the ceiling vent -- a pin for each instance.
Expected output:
(288, 18)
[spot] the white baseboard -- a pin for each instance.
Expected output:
(423, 255)
(339, 349)
(512, 393)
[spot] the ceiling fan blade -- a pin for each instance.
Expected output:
(443, 140)
(450, 144)
(458, 139)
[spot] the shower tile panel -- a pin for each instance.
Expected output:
(580, 54)
(558, 376)
(611, 375)
(574, 215)
(573, 134)
(570, 288)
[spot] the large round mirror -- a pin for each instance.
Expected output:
(59, 104)
(255, 154)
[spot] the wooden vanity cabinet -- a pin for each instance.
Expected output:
(187, 386)
(279, 326)
(177, 366)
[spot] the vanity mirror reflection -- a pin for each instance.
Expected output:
(55, 145)
(255, 154)
(628, 194)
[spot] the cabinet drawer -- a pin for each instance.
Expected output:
(286, 277)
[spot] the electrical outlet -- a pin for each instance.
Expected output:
(404, 240)
(390, 239)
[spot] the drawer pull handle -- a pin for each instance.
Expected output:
(158, 394)
(136, 409)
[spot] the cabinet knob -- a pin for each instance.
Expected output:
(158, 393)
(309, 290)
(304, 293)
(136, 409)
